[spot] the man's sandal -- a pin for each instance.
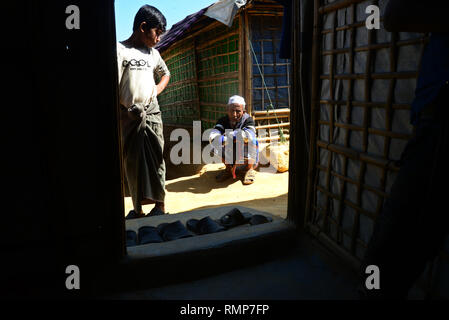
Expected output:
(249, 177)
(134, 215)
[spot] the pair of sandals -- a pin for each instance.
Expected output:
(232, 219)
(162, 233)
(156, 211)
(176, 230)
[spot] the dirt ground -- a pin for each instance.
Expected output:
(190, 188)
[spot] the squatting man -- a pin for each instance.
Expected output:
(234, 140)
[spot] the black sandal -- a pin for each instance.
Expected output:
(149, 234)
(131, 238)
(204, 226)
(156, 211)
(259, 219)
(235, 218)
(173, 231)
(134, 215)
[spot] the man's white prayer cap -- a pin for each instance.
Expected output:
(237, 100)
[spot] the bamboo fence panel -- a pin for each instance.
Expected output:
(218, 71)
(363, 86)
(206, 68)
(179, 102)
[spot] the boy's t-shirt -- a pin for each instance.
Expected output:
(137, 69)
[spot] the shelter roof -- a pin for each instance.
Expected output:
(180, 29)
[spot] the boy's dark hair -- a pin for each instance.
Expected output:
(152, 16)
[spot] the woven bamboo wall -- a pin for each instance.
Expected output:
(363, 88)
(206, 68)
(204, 74)
(179, 101)
(218, 71)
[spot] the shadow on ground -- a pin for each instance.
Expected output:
(275, 205)
(175, 171)
(200, 184)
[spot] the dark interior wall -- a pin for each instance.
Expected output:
(301, 77)
(62, 203)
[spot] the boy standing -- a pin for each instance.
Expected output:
(140, 116)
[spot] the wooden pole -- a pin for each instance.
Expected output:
(314, 110)
(248, 65)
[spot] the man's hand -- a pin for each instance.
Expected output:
(224, 140)
(240, 135)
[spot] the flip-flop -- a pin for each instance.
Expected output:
(259, 219)
(156, 211)
(235, 218)
(149, 234)
(173, 231)
(204, 226)
(250, 175)
(134, 215)
(131, 238)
